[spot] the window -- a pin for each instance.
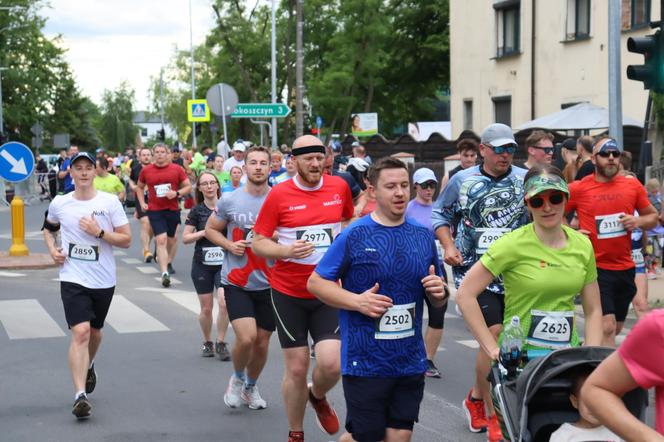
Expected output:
(502, 109)
(578, 19)
(640, 13)
(468, 114)
(507, 27)
(144, 131)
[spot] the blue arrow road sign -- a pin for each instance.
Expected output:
(16, 162)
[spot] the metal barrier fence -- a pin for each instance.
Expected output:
(38, 187)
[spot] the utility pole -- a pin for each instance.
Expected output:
(161, 96)
(274, 71)
(615, 97)
(193, 81)
(299, 61)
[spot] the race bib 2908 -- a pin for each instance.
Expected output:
(485, 236)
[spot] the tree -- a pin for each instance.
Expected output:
(117, 111)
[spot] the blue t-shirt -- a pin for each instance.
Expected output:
(397, 258)
(420, 213)
(68, 182)
(228, 187)
(272, 179)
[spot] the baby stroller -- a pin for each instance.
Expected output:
(536, 403)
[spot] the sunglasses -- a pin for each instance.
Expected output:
(609, 153)
(427, 185)
(510, 149)
(554, 199)
(547, 150)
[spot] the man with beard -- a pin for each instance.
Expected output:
(488, 201)
(245, 279)
(605, 204)
(307, 214)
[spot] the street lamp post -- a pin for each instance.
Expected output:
(2, 121)
(193, 84)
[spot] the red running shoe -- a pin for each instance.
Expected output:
(475, 413)
(326, 417)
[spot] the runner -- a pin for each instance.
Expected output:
(387, 266)
(245, 279)
(107, 182)
(206, 266)
(90, 224)
(144, 159)
(235, 181)
(544, 265)
(488, 199)
(419, 210)
(166, 182)
(605, 203)
(307, 213)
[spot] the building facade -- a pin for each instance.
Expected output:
(149, 124)
(516, 60)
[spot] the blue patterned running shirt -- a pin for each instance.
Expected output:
(397, 258)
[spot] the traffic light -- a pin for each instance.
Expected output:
(161, 135)
(652, 72)
(198, 130)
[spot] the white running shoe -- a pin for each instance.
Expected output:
(232, 397)
(252, 398)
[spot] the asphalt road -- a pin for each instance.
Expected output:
(153, 384)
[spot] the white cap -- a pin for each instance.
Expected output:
(498, 134)
(424, 175)
(239, 146)
(358, 163)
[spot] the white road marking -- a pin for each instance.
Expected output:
(188, 300)
(27, 319)
(119, 253)
(173, 280)
(131, 261)
(126, 317)
(469, 343)
(148, 270)
(11, 274)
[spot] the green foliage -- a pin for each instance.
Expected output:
(385, 56)
(37, 85)
(658, 108)
(117, 110)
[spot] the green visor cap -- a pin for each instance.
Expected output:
(541, 183)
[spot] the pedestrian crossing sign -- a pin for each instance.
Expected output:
(198, 110)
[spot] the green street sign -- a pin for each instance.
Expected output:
(260, 110)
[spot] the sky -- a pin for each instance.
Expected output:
(111, 41)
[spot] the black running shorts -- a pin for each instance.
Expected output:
(83, 304)
(250, 304)
(436, 315)
(297, 318)
(374, 404)
(492, 306)
(616, 291)
(164, 221)
(205, 278)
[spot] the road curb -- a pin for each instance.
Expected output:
(34, 261)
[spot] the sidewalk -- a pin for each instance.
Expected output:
(33, 261)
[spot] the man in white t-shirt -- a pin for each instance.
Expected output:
(90, 224)
(238, 156)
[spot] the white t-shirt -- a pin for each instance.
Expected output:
(570, 433)
(89, 261)
(232, 162)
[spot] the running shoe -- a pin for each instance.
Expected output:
(432, 370)
(295, 436)
(165, 280)
(147, 256)
(252, 398)
(91, 380)
(82, 407)
(232, 397)
(475, 414)
(207, 350)
(494, 434)
(171, 270)
(326, 417)
(221, 348)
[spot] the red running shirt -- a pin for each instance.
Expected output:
(598, 206)
(159, 181)
(297, 212)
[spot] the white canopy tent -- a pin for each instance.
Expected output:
(582, 116)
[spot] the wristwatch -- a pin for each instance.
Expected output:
(101, 234)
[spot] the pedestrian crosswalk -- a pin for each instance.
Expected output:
(27, 319)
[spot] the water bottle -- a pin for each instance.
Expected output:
(510, 348)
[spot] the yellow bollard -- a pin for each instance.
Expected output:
(18, 247)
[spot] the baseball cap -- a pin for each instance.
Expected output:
(607, 146)
(239, 146)
(546, 181)
(84, 155)
(498, 134)
(99, 150)
(569, 144)
(424, 175)
(359, 164)
(355, 144)
(176, 148)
